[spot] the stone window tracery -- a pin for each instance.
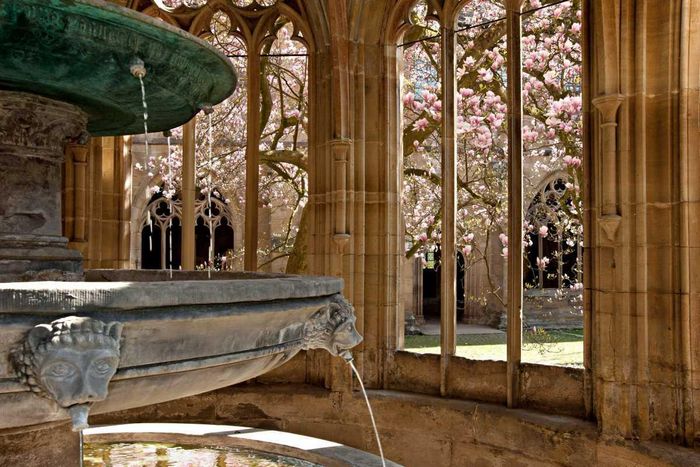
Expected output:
(553, 239)
(161, 225)
(260, 134)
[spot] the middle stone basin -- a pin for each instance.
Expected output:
(180, 337)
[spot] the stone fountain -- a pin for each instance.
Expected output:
(72, 342)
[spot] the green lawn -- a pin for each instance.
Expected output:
(558, 347)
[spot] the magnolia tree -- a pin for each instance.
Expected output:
(551, 133)
(221, 139)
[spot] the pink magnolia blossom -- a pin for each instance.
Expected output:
(421, 124)
(572, 161)
(552, 128)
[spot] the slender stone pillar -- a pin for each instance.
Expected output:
(76, 190)
(33, 133)
(188, 195)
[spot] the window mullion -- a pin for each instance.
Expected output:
(540, 267)
(448, 292)
(252, 158)
(189, 218)
(515, 203)
(163, 246)
(560, 262)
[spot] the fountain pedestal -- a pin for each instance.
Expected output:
(33, 133)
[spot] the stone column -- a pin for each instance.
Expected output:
(76, 200)
(33, 132)
(609, 217)
(418, 291)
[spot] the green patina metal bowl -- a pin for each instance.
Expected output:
(80, 51)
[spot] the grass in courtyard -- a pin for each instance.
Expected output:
(563, 347)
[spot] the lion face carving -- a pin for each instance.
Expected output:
(71, 361)
(332, 328)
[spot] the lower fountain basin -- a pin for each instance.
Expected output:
(179, 337)
(208, 444)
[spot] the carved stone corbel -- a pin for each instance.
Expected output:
(332, 328)
(71, 361)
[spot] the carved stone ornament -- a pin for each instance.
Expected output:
(70, 361)
(30, 121)
(610, 225)
(332, 328)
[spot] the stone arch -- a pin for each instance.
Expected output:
(200, 26)
(163, 14)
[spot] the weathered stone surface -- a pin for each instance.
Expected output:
(33, 132)
(180, 338)
(416, 430)
(332, 328)
(77, 297)
(53, 444)
(71, 361)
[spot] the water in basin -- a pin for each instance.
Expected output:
(167, 454)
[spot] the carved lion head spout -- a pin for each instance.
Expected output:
(332, 328)
(70, 361)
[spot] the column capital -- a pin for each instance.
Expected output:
(514, 5)
(78, 152)
(340, 148)
(607, 105)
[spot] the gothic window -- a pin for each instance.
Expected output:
(553, 239)
(254, 146)
(161, 228)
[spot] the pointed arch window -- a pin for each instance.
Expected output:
(260, 134)
(161, 232)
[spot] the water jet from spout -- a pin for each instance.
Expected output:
(138, 70)
(347, 356)
(170, 194)
(208, 110)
